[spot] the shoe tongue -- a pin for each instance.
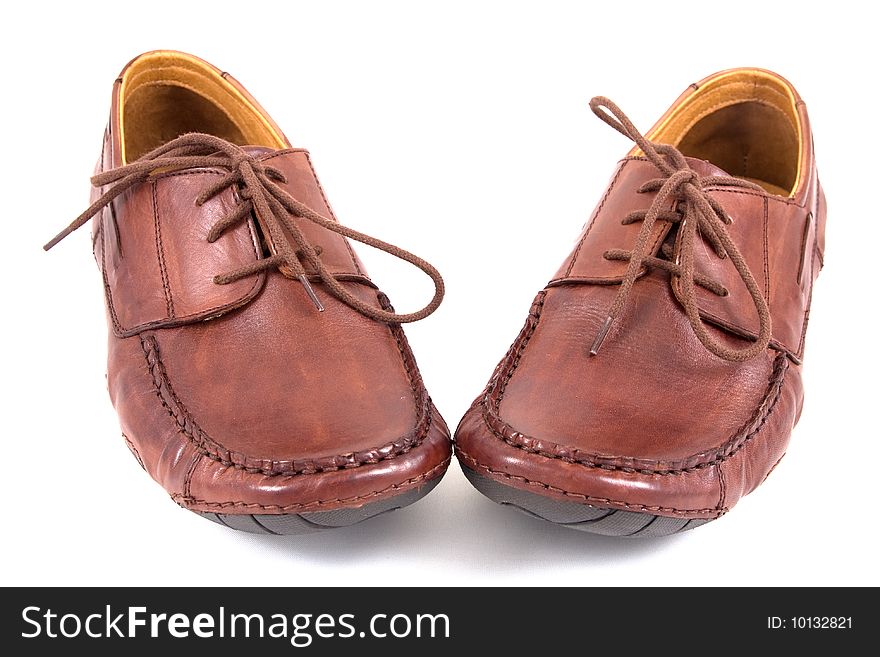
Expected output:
(257, 151)
(302, 184)
(705, 168)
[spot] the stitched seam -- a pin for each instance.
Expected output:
(405, 352)
(722, 485)
(596, 280)
(187, 172)
(134, 451)
(108, 294)
(210, 313)
(187, 481)
(728, 190)
(492, 397)
(577, 250)
(160, 251)
(746, 192)
(600, 280)
(186, 424)
(330, 210)
(775, 465)
(517, 353)
(804, 238)
(208, 447)
(342, 500)
(493, 380)
(123, 332)
(98, 231)
(800, 351)
(811, 282)
(99, 235)
(354, 260)
(408, 364)
(766, 252)
(285, 151)
(672, 471)
(737, 330)
(742, 332)
(103, 148)
(472, 462)
(111, 208)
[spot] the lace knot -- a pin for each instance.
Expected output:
(272, 207)
(692, 178)
(698, 215)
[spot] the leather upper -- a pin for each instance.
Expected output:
(242, 396)
(655, 422)
(777, 235)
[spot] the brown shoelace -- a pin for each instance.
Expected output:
(273, 208)
(697, 214)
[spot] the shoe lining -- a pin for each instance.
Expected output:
(166, 94)
(745, 122)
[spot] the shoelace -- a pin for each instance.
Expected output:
(273, 208)
(697, 214)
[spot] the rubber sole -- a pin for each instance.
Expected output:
(583, 517)
(291, 524)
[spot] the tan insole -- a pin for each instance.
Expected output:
(165, 94)
(744, 121)
(750, 140)
(157, 113)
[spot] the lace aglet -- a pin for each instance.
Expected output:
(311, 292)
(60, 236)
(600, 336)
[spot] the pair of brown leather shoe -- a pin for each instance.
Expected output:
(264, 380)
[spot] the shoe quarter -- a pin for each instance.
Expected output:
(302, 183)
(779, 240)
(157, 265)
(605, 230)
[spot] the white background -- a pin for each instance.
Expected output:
(459, 131)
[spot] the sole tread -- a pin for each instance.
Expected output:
(583, 517)
(294, 524)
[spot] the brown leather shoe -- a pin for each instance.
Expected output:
(658, 375)
(259, 375)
